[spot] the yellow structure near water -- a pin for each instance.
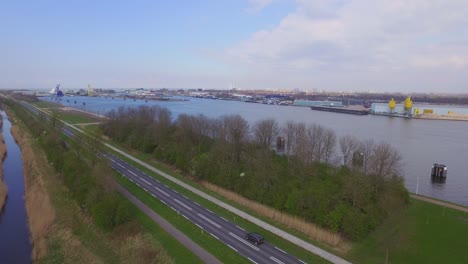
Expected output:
(408, 104)
(391, 105)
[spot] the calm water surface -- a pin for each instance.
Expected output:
(420, 142)
(15, 246)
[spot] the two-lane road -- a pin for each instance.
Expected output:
(218, 227)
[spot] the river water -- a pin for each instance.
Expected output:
(420, 142)
(15, 246)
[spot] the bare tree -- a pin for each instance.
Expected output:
(366, 148)
(265, 132)
(315, 142)
(288, 132)
(385, 161)
(300, 142)
(348, 145)
(234, 130)
(329, 145)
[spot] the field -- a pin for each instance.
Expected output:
(423, 233)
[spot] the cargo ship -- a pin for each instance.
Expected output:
(353, 109)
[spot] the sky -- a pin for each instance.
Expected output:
(331, 45)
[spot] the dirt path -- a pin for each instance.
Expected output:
(441, 203)
(204, 255)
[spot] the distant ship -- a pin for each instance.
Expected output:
(56, 91)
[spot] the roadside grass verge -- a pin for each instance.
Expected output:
(272, 238)
(178, 252)
(422, 233)
(46, 104)
(204, 239)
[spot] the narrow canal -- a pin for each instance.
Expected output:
(15, 246)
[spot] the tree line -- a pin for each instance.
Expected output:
(344, 184)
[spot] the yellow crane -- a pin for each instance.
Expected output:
(391, 105)
(408, 104)
(90, 90)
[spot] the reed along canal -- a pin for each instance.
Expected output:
(15, 246)
(421, 143)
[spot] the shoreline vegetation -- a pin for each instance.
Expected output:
(62, 229)
(3, 187)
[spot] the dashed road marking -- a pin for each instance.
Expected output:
(163, 192)
(281, 250)
(276, 260)
(147, 182)
(184, 205)
(232, 247)
(209, 220)
(252, 260)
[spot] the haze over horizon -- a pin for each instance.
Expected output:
(334, 45)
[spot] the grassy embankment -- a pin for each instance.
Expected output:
(62, 233)
(422, 233)
(3, 187)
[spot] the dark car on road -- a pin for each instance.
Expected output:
(255, 238)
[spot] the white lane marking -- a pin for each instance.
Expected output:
(145, 189)
(224, 219)
(153, 195)
(184, 205)
(175, 191)
(165, 193)
(147, 182)
(163, 202)
(186, 217)
(302, 261)
(233, 248)
(209, 220)
(120, 165)
(210, 211)
(138, 184)
(243, 241)
(185, 197)
(199, 226)
(134, 174)
(197, 203)
(173, 209)
(252, 260)
(276, 260)
(131, 179)
(281, 250)
(214, 236)
(240, 228)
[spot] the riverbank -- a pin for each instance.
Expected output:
(41, 214)
(3, 187)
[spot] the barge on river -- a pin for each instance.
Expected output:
(352, 109)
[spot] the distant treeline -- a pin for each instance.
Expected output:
(286, 167)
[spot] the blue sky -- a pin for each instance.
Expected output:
(306, 44)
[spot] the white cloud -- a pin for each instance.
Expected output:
(257, 5)
(344, 36)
